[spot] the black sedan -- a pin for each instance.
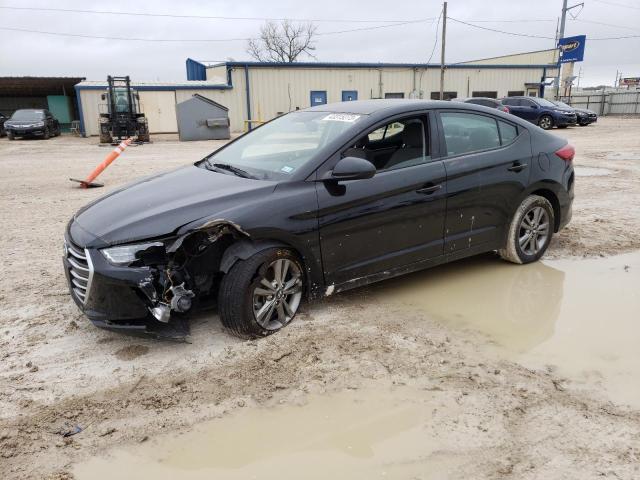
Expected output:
(32, 123)
(486, 102)
(315, 202)
(584, 116)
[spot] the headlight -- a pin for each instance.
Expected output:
(142, 120)
(104, 120)
(126, 254)
(38, 124)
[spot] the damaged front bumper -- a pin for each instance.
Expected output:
(117, 297)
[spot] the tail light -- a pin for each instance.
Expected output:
(504, 108)
(566, 153)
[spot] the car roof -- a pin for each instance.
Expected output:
(390, 106)
(481, 98)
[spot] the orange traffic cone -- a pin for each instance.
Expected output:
(89, 181)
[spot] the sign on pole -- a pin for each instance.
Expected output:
(572, 48)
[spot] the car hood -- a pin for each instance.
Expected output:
(158, 206)
(19, 123)
(584, 110)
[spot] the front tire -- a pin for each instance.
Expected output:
(530, 231)
(262, 294)
(11, 136)
(545, 122)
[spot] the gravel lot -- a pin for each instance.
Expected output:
(58, 370)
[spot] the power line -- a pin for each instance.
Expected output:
(195, 40)
(435, 43)
(616, 4)
(205, 17)
(500, 31)
(605, 24)
(538, 36)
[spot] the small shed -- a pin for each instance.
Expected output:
(200, 118)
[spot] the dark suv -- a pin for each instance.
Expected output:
(32, 122)
(541, 112)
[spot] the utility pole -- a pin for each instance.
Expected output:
(444, 41)
(563, 19)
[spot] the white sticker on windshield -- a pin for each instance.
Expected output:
(286, 169)
(341, 117)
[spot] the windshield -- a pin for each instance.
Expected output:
(28, 115)
(121, 100)
(277, 149)
(544, 102)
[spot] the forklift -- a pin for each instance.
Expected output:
(123, 118)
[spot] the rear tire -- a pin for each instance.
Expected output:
(259, 295)
(530, 231)
(545, 122)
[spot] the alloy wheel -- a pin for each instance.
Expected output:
(545, 123)
(277, 296)
(534, 231)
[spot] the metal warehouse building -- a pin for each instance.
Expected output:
(259, 91)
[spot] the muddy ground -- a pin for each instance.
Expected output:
(503, 420)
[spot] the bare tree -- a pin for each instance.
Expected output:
(283, 42)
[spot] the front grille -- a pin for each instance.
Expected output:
(80, 271)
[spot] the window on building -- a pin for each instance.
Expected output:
(508, 132)
(515, 93)
(469, 132)
(445, 95)
(399, 144)
(394, 95)
(485, 94)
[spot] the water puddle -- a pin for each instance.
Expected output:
(579, 316)
(355, 435)
(592, 171)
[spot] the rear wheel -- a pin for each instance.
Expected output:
(530, 231)
(545, 122)
(262, 294)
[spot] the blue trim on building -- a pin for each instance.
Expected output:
(378, 65)
(80, 113)
(196, 70)
(152, 88)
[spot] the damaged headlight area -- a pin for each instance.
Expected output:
(178, 271)
(125, 255)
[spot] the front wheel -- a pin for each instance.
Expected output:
(262, 294)
(545, 122)
(530, 231)
(11, 136)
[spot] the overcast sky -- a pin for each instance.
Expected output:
(37, 54)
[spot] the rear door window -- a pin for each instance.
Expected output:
(508, 132)
(468, 132)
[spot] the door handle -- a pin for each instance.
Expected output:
(517, 167)
(429, 190)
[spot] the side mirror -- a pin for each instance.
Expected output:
(103, 96)
(534, 106)
(352, 168)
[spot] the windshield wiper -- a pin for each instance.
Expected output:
(230, 168)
